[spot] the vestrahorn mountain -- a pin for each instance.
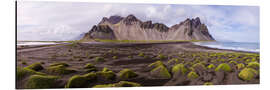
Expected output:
(131, 28)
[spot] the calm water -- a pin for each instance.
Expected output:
(240, 46)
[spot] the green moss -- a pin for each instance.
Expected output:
(60, 69)
(156, 64)
(89, 66)
(80, 81)
(174, 60)
(105, 69)
(108, 75)
(127, 84)
(192, 75)
(35, 66)
(90, 76)
(114, 57)
(56, 64)
(248, 60)
(223, 67)
(40, 81)
(119, 84)
(179, 67)
(99, 59)
(161, 72)
(211, 66)
(127, 74)
(233, 62)
(162, 57)
(23, 72)
(240, 66)
(104, 86)
(199, 65)
(208, 83)
(254, 65)
(247, 74)
(141, 54)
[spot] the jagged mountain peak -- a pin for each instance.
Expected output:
(130, 19)
(112, 19)
(131, 28)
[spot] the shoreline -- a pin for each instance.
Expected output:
(19, 47)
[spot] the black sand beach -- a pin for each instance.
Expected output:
(200, 64)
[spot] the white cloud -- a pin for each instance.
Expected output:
(66, 20)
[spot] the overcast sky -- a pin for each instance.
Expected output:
(67, 20)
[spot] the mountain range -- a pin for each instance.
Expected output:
(131, 28)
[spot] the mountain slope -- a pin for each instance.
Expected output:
(131, 28)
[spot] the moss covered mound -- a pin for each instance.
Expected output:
(127, 74)
(199, 66)
(192, 75)
(179, 68)
(56, 64)
(80, 81)
(156, 64)
(89, 66)
(224, 67)
(41, 81)
(211, 66)
(108, 75)
(160, 72)
(248, 74)
(35, 66)
(254, 65)
(60, 69)
(240, 66)
(119, 84)
(23, 72)
(99, 59)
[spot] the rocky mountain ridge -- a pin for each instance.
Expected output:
(131, 28)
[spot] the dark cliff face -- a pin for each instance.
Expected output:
(131, 28)
(100, 32)
(158, 26)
